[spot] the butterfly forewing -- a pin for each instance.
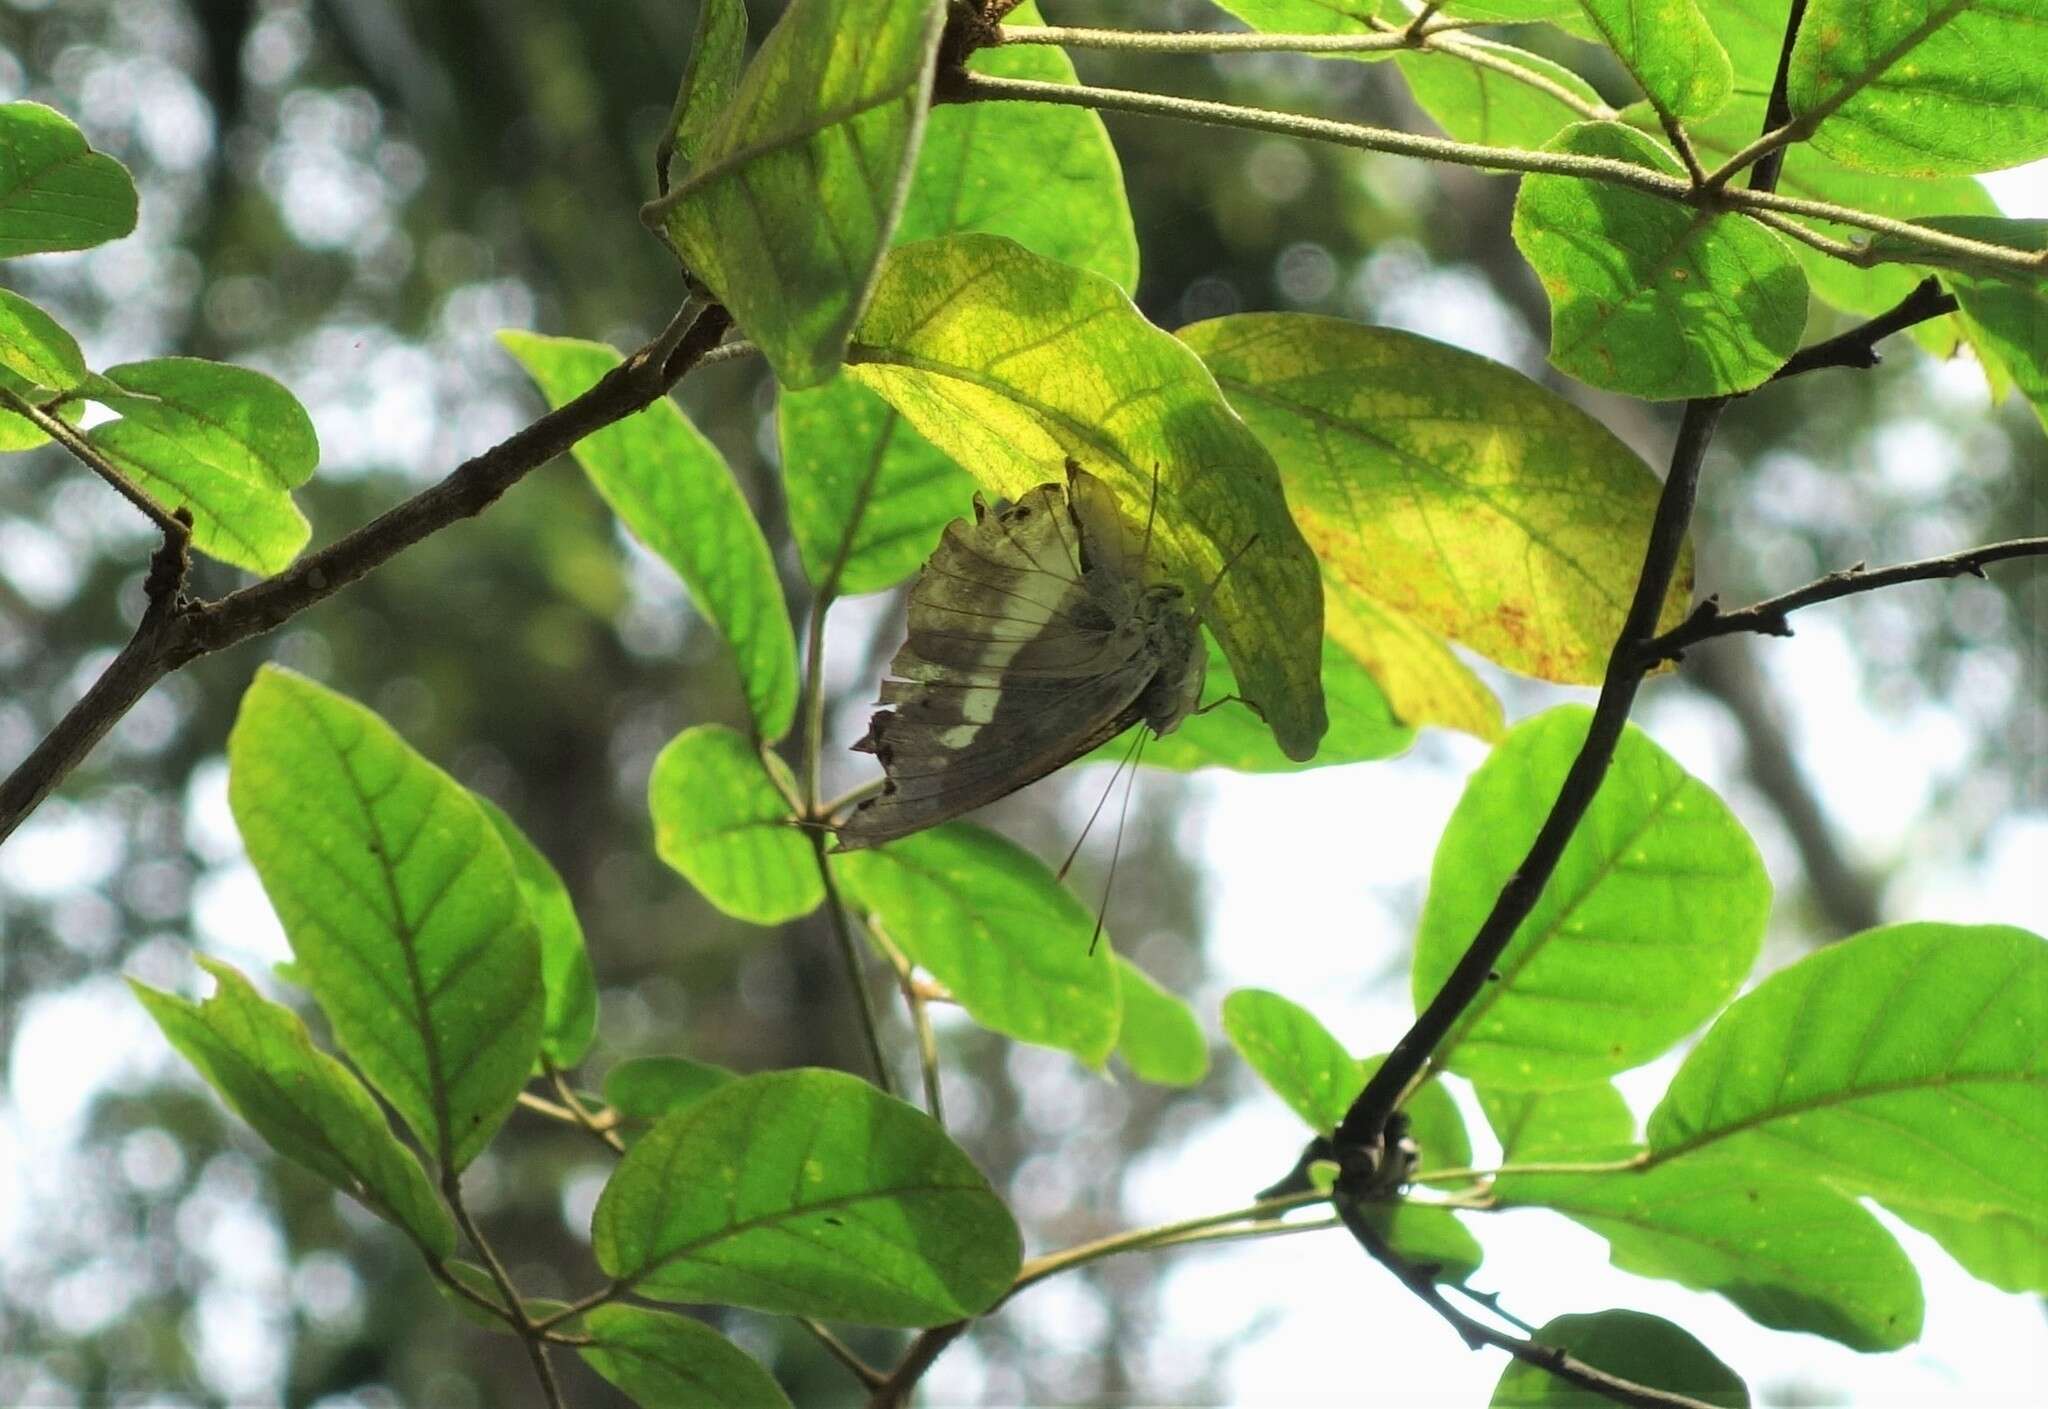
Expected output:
(1025, 650)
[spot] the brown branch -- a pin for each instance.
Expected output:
(1778, 110)
(894, 1392)
(1857, 346)
(1768, 617)
(1478, 1334)
(1358, 1137)
(167, 640)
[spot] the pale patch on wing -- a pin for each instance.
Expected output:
(1026, 649)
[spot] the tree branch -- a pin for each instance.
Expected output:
(1358, 1136)
(176, 638)
(1767, 618)
(1857, 347)
(1778, 110)
(1477, 1333)
(1919, 241)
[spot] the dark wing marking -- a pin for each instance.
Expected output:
(930, 782)
(1020, 657)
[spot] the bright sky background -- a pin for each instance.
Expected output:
(1308, 873)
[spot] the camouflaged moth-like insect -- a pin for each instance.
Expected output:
(1034, 637)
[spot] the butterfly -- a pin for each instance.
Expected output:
(1034, 637)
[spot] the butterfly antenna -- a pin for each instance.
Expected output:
(1131, 786)
(1202, 608)
(1129, 754)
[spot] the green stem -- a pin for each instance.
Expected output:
(974, 87)
(1143, 41)
(529, 1331)
(88, 455)
(1640, 1160)
(1039, 1268)
(849, 953)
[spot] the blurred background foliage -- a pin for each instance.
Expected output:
(352, 195)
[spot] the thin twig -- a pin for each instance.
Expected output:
(870, 1378)
(1153, 41)
(1359, 1133)
(201, 628)
(1477, 1333)
(581, 1114)
(895, 1389)
(1767, 618)
(1920, 241)
(1857, 347)
(849, 954)
(89, 455)
(1137, 1239)
(529, 1331)
(609, 1292)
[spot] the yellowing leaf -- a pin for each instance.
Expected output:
(1010, 363)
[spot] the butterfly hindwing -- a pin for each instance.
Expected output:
(1025, 650)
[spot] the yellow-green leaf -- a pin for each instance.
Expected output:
(1011, 363)
(1447, 490)
(797, 187)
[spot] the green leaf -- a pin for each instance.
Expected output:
(1434, 1124)
(1795, 1256)
(1231, 736)
(868, 495)
(674, 1362)
(35, 347)
(1752, 32)
(798, 186)
(718, 52)
(1045, 175)
(1295, 1056)
(225, 442)
(1645, 1350)
(569, 1020)
(979, 342)
(1480, 91)
(1573, 1123)
(988, 920)
(2006, 1250)
(672, 488)
(1160, 1040)
(1813, 176)
(1423, 682)
(56, 193)
(1445, 488)
(644, 1089)
(722, 817)
(1668, 49)
(1909, 1064)
(16, 433)
(401, 904)
(1650, 922)
(1923, 87)
(1647, 297)
(309, 1107)
(1429, 1237)
(808, 1193)
(2006, 313)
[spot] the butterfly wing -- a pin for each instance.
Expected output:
(1018, 660)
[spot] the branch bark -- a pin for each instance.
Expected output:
(1478, 1334)
(167, 640)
